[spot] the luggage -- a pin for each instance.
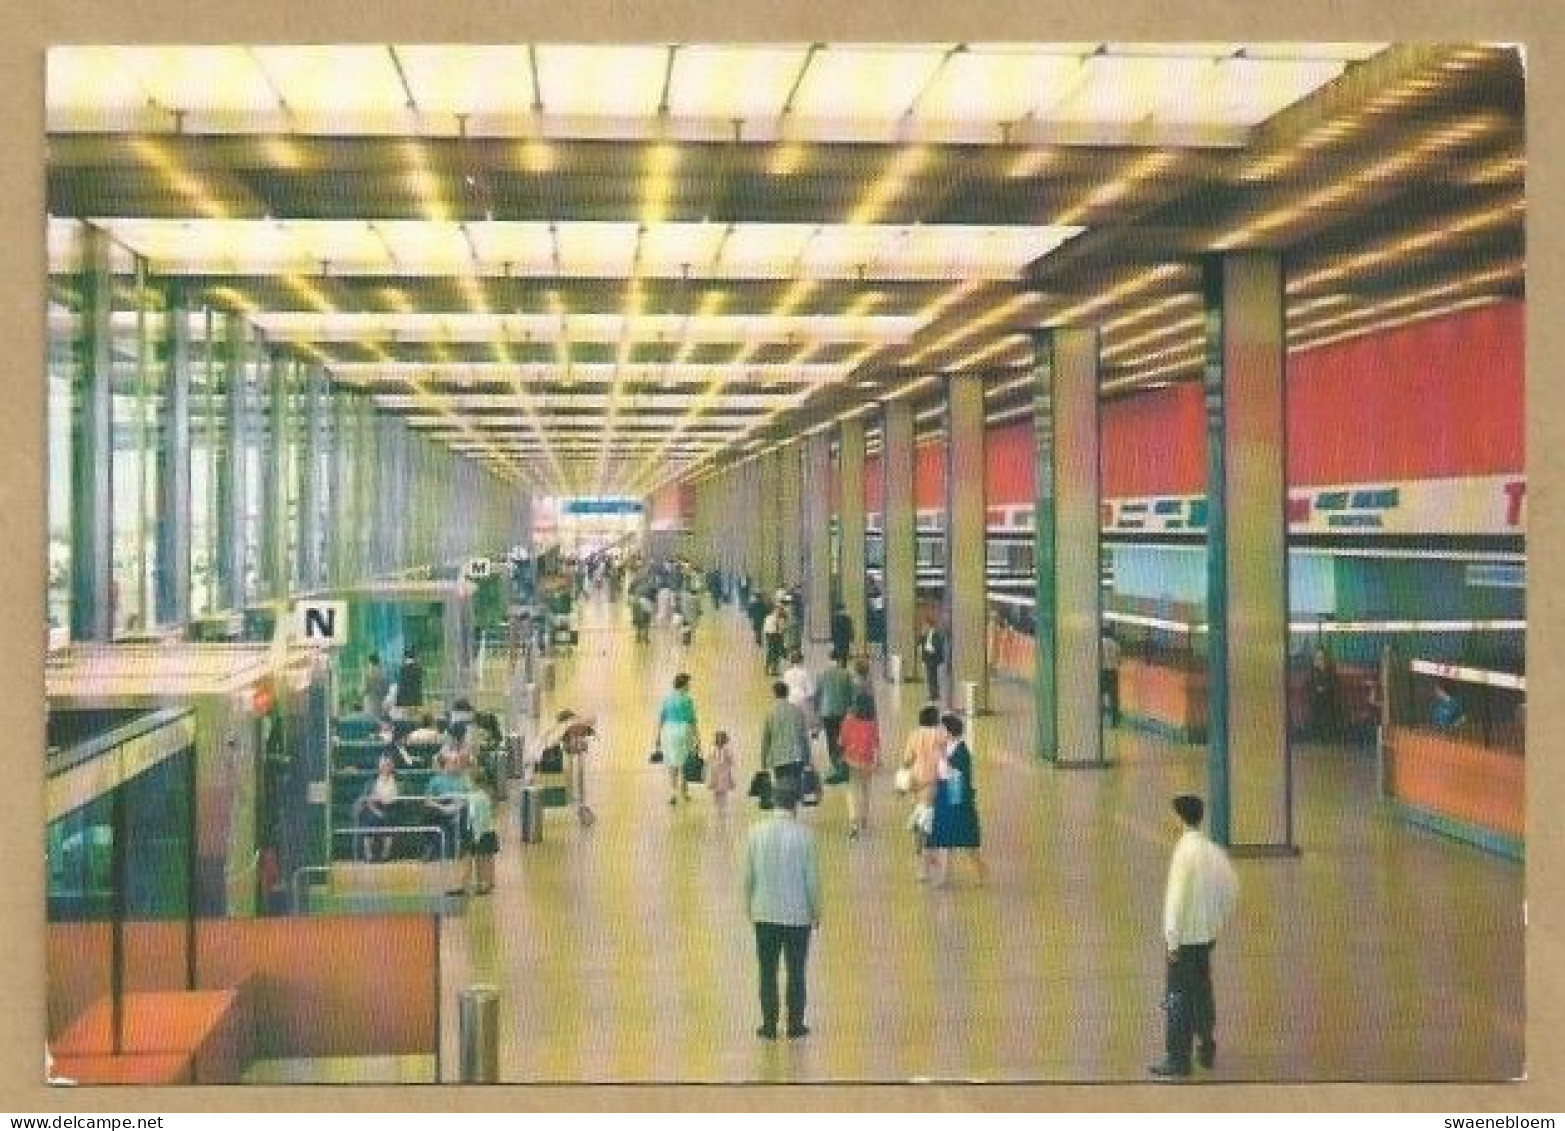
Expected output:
(694, 768)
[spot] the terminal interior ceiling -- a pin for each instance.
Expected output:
(601, 269)
(1159, 409)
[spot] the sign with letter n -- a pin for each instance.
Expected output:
(323, 623)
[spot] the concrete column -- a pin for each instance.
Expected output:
(233, 519)
(966, 551)
(173, 509)
(274, 488)
(92, 450)
(771, 518)
(817, 537)
(1067, 635)
(1250, 778)
(790, 478)
(850, 524)
(341, 525)
(754, 522)
(313, 480)
(898, 526)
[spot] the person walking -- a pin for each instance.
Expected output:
(678, 736)
(783, 899)
(921, 758)
(785, 739)
(774, 628)
(954, 823)
(1200, 895)
(374, 687)
(834, 694)
(861, 754)
(720, 773)
(841, 633)
(757, 609)
(1108, 675)
(932, 650)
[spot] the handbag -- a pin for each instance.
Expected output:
(552, 760)
(694, 769)
(809, 786)
(760, 786)
(657, 756)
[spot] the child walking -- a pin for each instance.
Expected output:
(720, 771)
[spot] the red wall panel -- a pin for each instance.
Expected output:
(1008, 464)
(1154, 443)
(929, 476)
(1438, 399)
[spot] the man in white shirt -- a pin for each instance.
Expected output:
(1202, 888)
(782, 890)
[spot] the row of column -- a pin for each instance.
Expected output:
(769, 517)
(346, 493)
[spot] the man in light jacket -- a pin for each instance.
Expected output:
(1200, 895)
(785, 738)
(783, 899)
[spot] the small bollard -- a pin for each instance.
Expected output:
(530, 815)
(478, 1029)
(534, 701)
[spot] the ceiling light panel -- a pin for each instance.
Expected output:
(321, 81)
(225, 80)
(673, 250)
(868, 85)
(605, 250)
(733, 82)
(997, 84)
(601, 81)
(469, 79)
(94, 87)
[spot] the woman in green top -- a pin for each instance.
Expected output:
(677, 735)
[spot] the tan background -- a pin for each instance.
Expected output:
(27, 27)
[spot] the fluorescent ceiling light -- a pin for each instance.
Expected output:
(865, 83)
(733, 82)
(603, 81)
(468, 79)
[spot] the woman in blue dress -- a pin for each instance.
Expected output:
(678, 737)
(956, 806)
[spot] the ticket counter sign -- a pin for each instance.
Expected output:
(321, 623)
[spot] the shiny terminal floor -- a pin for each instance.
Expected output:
(621, 952)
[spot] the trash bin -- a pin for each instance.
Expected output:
(894, 668)
(530, 815)
(478, 1029)
(970, 699)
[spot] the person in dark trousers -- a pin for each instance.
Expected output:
(1200, 895)
(758, 610)
(782, 891)
(834, 694)
(1321, 691)
(1108, 675)
(932, 650)
(410, 683)
(841, 633)
(785, 739)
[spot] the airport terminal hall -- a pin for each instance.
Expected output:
(785, 563)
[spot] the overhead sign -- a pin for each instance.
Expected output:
(323, 623)
(478, 568)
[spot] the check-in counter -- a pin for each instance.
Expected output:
(1460, 771)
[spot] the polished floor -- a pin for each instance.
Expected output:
(622, 952)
